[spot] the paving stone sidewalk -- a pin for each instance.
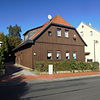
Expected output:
(46, 76)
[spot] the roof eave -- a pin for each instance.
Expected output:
(23, 44)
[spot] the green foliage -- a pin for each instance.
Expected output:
(10, 41)
(14, 31)
(73, 65)
(94, 66)
(67, 66)
(2, 58)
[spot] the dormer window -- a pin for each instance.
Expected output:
(26, 37)
(59, 32)
(66, 33)
(49, 33)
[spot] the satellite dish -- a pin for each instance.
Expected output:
(49, 17)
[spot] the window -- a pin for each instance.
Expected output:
(74, 56)
(67, 55)
(58, 32)
(58, 55)
(82, 34)
(26, 37)
(49, 55)
(66, 33)
(89, 60)
(49, 33)
(91, 33)
(82, 26)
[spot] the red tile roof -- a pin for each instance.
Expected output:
(57, 19)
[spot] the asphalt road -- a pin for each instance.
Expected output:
(79, 89)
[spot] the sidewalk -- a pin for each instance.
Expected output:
(50, 77)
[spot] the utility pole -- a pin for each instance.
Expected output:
(95, 41)
(94, 51)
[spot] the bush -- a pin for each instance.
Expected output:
(1, 59)
(67, 66)
(94, 66)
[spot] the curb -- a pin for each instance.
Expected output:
(61, 79)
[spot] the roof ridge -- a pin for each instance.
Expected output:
(90, 26)
(57, 19)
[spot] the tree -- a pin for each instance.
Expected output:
(4, 49)
(14, 39)
(14, 31)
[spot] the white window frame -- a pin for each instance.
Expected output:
(49, 55)
(66, 33)
(59, 32)
(58, 55)
(74, 55)
(67, 55)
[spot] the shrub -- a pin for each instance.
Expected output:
(67, 66)
(94, 66)
(1, 59)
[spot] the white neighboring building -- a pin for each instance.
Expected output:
(92, 38)
(1, 43)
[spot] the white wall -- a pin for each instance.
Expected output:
(89, 39)
(0, 43)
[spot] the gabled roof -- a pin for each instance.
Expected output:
(90, 26)
(32, 30)
(57, 19)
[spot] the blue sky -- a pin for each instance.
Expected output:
(32, 13)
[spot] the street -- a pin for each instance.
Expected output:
(79, 89)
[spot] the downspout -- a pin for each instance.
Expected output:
(32, 57)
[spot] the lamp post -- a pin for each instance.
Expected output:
(95, 41)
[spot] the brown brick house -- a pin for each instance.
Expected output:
(56, 40)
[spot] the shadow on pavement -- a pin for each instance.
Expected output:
(11, 69)
(15, 88)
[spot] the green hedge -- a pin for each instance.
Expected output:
(1, 63)
(67, 66)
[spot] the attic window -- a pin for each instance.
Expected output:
(49, 33)
(66, 33)
(82, 26)
(59, 32)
